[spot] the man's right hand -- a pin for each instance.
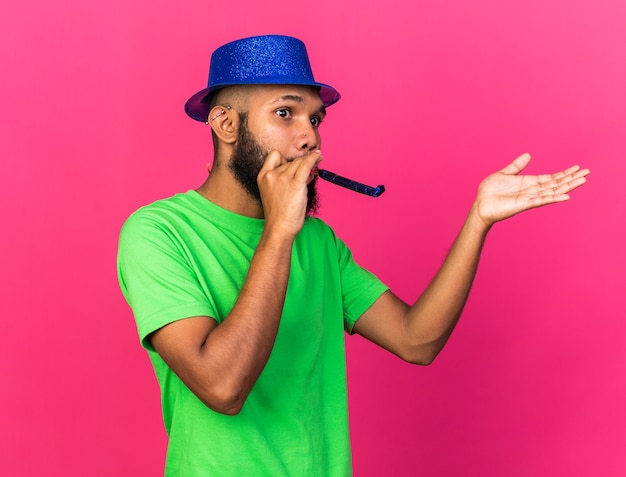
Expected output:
(283, 186)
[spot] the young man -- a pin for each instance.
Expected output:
(241, 297)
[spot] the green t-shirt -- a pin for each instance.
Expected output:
(185, 256)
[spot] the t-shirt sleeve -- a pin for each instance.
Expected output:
(155, 276)
(360, 288)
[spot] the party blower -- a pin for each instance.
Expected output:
(350, 184)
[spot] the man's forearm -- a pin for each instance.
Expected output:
(430, 321)
(221, 363)
(236, 351)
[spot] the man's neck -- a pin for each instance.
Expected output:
(222, 189)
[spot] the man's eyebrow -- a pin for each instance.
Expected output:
(297, 99)
(290, 97)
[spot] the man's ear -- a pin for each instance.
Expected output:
(224, 122)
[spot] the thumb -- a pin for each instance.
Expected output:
(517, 166)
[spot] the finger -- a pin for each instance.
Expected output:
(563, 180)
(273, 160)
(570, 185)
(313, 159)
(305, 164)
(563, 177)
(558, 176)
(582, 173)
(547, 200)
(558, 193)
(518, 165)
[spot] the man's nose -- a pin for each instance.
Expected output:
(308, 138)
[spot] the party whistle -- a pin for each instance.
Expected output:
(350, 184)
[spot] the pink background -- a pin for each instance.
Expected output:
(436, 95)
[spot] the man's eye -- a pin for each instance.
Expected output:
(284, 113)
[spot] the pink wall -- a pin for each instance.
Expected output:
(435, 96)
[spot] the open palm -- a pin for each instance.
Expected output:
(506, 192)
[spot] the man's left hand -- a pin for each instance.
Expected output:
(506, 193)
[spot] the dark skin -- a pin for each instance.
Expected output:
(221, 364)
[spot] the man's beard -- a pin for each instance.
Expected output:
(247, 161)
